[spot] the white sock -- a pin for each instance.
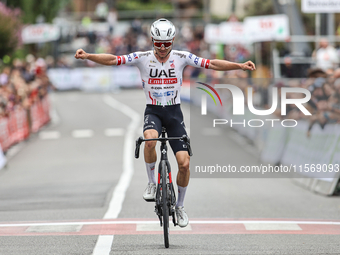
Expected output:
(150, 169)
(181, 195)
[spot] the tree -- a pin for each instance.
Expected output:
(259, 7)
(33, 8)
(9, 29)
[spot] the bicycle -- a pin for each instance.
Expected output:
(165, 193)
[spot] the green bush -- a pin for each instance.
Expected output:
(9, 30)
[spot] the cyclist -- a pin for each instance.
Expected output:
(161, 72)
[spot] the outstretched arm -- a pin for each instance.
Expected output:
(223, 65)
(103, 59)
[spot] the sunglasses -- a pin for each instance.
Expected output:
(158, 44)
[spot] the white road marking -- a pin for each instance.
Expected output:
(82, 133)
(152, 222)
(129, 142)
(55, 119)
(114, 131)
(157, 227)
(57, 229)
(271, 226)
(47, 135)
(118, 195)
(103, 245)
(14, 150)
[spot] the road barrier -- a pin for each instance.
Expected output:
(20, 122)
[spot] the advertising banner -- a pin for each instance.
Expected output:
(320, 6)
(225, 32)
(40, 33)
(253, 29)
(266, 28)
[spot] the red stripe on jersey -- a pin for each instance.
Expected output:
(170, 179)
(119, 60)
(203, 62)
(123, 60)
(207, 64)
(152, 100)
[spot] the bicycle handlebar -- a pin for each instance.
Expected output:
(184, 138)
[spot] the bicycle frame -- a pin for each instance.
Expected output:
(170, 188)
(164, 208)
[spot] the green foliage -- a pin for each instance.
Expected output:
(31, 9)
(259, 7)
(124, 5)
(20, 53)
(9, 29)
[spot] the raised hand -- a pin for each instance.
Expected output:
(81, 54)
(248, 66)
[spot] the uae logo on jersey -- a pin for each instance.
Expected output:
(172, 64)
(135, 56)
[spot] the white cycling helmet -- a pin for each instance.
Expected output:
(163, 30)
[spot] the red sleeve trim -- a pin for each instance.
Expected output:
(119, 60)
(207, 64)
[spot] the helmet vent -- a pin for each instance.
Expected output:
(169, 32)
(157, 32)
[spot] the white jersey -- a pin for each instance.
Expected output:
(162, 81)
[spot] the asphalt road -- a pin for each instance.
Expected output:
(75, 188)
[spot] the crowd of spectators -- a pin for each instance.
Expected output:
(324, 104)
(27, 80)
(190, 37)
(23, 84)
(323, 81)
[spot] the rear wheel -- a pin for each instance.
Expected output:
(165, 205)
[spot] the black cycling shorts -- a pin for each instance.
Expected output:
(170, 117)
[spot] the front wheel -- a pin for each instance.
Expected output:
(165, 205)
